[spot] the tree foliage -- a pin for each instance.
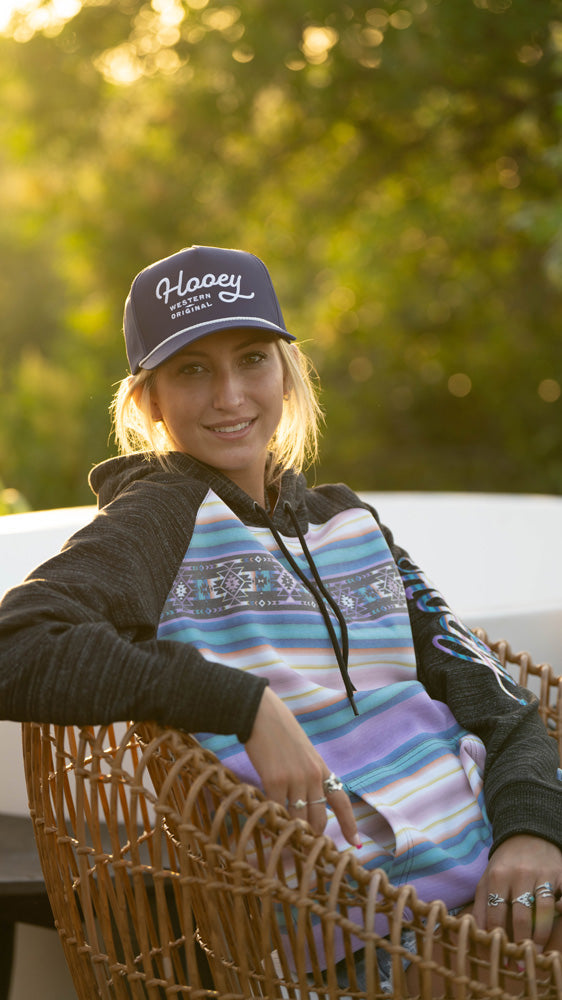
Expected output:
(397, 167)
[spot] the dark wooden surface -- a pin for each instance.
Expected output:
(23, 898)
(20, 869)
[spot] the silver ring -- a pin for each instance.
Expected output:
(317, 802)
(332, 784)
(299, 804)
(526, 899)
(545, 891)
(494, 899)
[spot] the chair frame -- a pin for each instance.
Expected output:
(143, 836)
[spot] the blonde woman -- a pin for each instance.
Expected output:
(215, 592)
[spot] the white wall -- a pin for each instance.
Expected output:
(495, 557)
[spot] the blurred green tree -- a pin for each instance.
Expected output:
(398, 168)
(11, 501)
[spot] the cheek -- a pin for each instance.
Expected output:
(274, 392)
(277, 401)
(180, 412)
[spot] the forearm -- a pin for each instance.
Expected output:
(65, 671)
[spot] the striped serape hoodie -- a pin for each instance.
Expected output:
(183, 599)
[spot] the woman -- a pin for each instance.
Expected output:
(215, 593)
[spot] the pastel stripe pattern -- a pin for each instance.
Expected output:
(413, 774)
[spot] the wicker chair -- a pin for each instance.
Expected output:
(144, 836)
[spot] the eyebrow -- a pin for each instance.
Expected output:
(259, 337)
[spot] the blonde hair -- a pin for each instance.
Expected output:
(294, 444)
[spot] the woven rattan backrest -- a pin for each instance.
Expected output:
(144, 835)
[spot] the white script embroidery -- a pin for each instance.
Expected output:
(164, 288)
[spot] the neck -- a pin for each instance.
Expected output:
(271, 498)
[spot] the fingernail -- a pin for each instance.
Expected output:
(357, 843)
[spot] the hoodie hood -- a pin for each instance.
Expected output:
(111, 478)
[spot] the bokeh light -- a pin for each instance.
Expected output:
(459, 384)
(549, 390)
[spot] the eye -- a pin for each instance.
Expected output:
(254, 357)
(192, 368)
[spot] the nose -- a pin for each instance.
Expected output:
(228, 392)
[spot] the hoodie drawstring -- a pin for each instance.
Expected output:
(320, 594)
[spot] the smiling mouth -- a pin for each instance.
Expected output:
(232, 428)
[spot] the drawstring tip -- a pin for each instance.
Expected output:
(353, 705)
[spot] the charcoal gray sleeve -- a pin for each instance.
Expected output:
(522, 786)
(78, 638)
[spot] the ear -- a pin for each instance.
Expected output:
(155, 411)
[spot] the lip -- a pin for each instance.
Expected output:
(239, 428)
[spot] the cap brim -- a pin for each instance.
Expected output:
(181, 338)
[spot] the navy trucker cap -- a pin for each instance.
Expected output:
(193, 293)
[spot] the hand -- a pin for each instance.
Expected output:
(291, 769)
(520, 865)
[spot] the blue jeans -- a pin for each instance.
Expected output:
(384, 961)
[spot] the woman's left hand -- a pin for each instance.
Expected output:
(523, 866)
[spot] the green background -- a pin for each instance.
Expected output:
(398, 168)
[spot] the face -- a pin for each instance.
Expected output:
(221, 399)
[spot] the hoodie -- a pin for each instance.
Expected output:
(183, 598)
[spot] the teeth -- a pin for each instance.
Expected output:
(231, 430)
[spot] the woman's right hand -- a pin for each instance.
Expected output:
(291, 769)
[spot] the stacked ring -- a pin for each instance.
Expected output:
(317, 802)
(299, 804)
(332, 784)
(545, 890)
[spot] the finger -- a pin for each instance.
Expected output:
(544, 918)
(545, 910)
(313, 811)
(497, 909)
(297, 805)
(480, 911)
(310, 809)
(522, 913)
(317, 815)
(480, 905)
(277, 792)
(340, 803)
